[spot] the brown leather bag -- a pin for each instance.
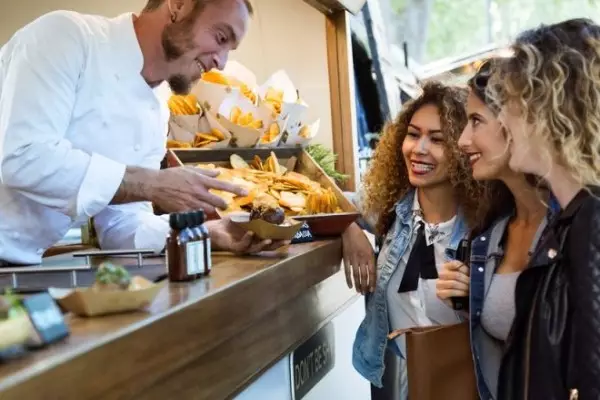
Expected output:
(439, 363)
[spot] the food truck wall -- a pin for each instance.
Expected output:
(283, 34)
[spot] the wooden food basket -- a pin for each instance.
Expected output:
(323, 225)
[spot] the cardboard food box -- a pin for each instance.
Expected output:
(87, 302)
(302, 135)
(294, 159)
(185, 130)
(211, 94)
(244, 135)
(265, 230)
(293, 108)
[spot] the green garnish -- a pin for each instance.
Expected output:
(326, 159)
(10, 305)
(108, 273)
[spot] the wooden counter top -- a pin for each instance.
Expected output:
(203, 340)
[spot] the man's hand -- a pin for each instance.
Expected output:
(359, 260)
(175, 189)
(227, 236)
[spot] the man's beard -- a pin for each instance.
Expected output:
(179, 84)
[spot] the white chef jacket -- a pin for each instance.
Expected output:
(74, 111)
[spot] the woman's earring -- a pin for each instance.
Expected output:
(173, 18)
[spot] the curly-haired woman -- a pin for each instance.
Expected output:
(419, 197)
(549, 92)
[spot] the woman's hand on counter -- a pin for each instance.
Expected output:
(227, 236)
(453, 281)
(359, 260)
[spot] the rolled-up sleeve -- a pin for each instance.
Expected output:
(131, 226)
(37, 96)
(134, 225)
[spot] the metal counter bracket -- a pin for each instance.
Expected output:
(15, 271)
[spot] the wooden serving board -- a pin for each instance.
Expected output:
(323, 225)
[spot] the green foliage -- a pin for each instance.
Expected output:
(326, 159)
(398, 6)
(457, 27)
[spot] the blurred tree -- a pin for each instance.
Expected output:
(436, 29)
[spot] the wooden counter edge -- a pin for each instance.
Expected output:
(141, 355)
(238, 362)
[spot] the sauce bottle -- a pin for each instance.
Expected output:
(199, 219)
(185, 249)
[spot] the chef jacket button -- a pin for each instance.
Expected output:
(480, 269)
(137, 147)
(552, 253)
(15, 235)
(483, 239)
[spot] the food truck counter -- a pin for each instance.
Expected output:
(207, 339)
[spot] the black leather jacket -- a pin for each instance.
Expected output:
(553, 350)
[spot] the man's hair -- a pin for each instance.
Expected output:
(152, 5)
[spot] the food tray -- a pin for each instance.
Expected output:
(320, 224)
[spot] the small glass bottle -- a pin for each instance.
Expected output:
(184, 249)
(199, 220)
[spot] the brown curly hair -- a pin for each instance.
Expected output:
(387, 181)
(553, 81)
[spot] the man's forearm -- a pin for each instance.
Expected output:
(137, 185)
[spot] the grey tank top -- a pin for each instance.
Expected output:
(499, 306)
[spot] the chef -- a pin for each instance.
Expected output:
(82, 131)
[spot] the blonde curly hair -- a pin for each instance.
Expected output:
(553, 82)
(387, 181)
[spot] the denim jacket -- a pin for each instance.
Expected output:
(371, 338)
(486, 255)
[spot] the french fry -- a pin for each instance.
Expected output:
(238, 117)
(183, 105)
(177, 144)
(248, 93)
(304, 132)
(273, 99)
(215, 76)
(236, 112)
(271, 133)
(217, 133)
(245, 119)
(256, 124)
(202, 139)
(274, 95)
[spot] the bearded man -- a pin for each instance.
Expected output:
(82, 131)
